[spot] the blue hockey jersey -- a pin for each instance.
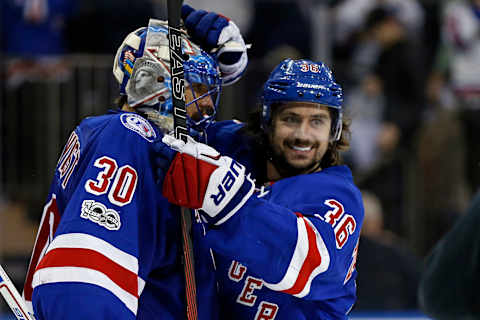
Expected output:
(290, 251)
(109, 244)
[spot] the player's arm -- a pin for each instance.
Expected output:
(289, 249)
(219, 36)
(292, 251)
(92, 268)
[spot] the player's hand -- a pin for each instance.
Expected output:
(220, 36)
(163, 158)
(200, 178)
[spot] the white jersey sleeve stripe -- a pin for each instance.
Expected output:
(299, 255)
(310, 258)
(324, 262)
(85, 275)
(77, 251)
(86, 241)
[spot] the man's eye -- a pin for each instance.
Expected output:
(200, 87)
(289, 119)
(319, 121)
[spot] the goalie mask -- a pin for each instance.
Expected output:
(303, 80)
(142, 68)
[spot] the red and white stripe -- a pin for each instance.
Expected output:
(309, 259)
(79, 257)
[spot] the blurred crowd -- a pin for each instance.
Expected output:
(410, 70)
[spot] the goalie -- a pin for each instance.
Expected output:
(108, 245)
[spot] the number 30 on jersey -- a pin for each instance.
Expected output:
(120, 183)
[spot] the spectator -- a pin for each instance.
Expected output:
(458, 65)
(366, 104)
(441, 188)
(388, 273)
(350, 19)
(351, 15)
(33, 38)
(33, 28)
(387, 55)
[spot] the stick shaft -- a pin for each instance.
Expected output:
(181, 132)
(13, 298)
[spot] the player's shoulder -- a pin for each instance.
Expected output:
(124, 126)
(335, 182)
(340, 178)
(225, 128)
(133, 125)
(223, 135)
(337, 179)
(340, 172)
(341, 175)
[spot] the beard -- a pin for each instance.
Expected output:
(286, 169)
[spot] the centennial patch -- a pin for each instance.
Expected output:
(98, 213)
(138, 124)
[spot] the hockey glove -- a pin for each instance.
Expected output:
(200, 178)
(163, 158)
(219, 36)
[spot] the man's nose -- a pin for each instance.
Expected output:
(206, 105)
(301, 131)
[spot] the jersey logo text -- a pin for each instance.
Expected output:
(227, 183)
(98, 213)
(266, 311)
(247, 297)
(69, 158)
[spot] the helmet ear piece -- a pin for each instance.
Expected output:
(337, 126)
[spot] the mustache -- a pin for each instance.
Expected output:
(302, 143)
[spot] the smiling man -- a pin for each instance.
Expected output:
(299, 139)
(283, 215)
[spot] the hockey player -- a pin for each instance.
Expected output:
(108, 246)
(283, 216)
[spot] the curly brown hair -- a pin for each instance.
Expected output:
(332, 156)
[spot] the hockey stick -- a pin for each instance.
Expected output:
(13, 298)
(181, 132)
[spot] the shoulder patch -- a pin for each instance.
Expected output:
(138, 124)
(97, 212)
